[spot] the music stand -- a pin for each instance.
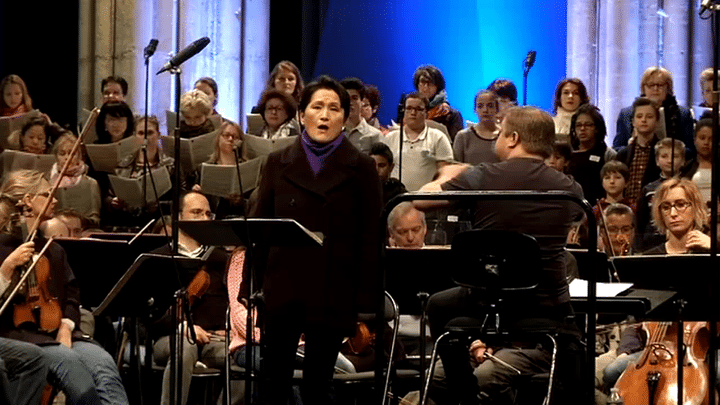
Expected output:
(147, 288)
(265, 232)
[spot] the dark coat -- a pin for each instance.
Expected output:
(330, 284)
(652, 171)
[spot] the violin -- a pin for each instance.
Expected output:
(653, 379)
(362, 340)
(40, 307)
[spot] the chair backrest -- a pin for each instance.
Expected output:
(496, 260)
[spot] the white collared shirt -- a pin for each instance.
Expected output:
(420, 156)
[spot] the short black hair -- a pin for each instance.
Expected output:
(326, 82)
(615, 166)
(353, 83)
(431, 72)
(504, 88)
(117, 109)
(115, 79)
(380, 149)
(562, 149)
(598, 120)
(372, 93)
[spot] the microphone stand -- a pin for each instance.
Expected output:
(251, 295)
(401, 119)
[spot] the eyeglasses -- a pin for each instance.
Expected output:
(415, 109)
(655, 86)
(614, 230)
(679, 205)
(45, 194)
(585, 125)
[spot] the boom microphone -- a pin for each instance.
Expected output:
(530, 59)
(187, 53)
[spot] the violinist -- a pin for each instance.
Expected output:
(617, 231)
(208, 311)
(80, 368)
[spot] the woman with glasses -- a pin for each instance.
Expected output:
(430, 82)
(679, 211)
(228, 141)
(657, 85)
(587, 133)
(83, 370)
(278, 110)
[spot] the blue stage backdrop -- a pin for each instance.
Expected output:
(472, 42)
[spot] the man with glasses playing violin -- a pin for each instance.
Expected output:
(208, 309)
(425, 150)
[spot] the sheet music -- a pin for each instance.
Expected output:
(257, 146)
(77, 197)
(221, 180)
(15, 160)
(579, 288)
(14, 123)
(255, 124)
(193, 151)
(91, 135)
(131, 190)
(105, 158)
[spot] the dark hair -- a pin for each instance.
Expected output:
(290, 105)
(615, 166)
(432, 73)
(373, 95)
(562, 149)
(483, 92)
(115, 79)
(643, 101)
(702, 123)
(117, 109)
(380, 149)
(328, 83)
(417, 95)
(584, 98)
(289, 66)
(32, 122)
(504, 88)
(210, 82)
(353, 83)
(598, 120)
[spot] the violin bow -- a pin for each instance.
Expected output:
(612, 250)
(32, 232)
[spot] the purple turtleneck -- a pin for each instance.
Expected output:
(316, 152)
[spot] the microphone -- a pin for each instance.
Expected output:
(187, 53)
(150, 49)
(237, 144)
(530, 59)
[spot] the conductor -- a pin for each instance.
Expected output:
(526, 137)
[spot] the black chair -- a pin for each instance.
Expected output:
(503, 267)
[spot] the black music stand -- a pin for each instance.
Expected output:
(147, 289)
(267, 232)
(264, 232)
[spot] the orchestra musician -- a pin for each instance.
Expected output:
(208, 310)
(79, 367)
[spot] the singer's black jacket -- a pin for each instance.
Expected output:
(329, 284)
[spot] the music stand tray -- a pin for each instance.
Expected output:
(233, 232)
(149, 284)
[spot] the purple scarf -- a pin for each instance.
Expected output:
(316, 152)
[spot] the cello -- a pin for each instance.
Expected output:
(653, 379)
